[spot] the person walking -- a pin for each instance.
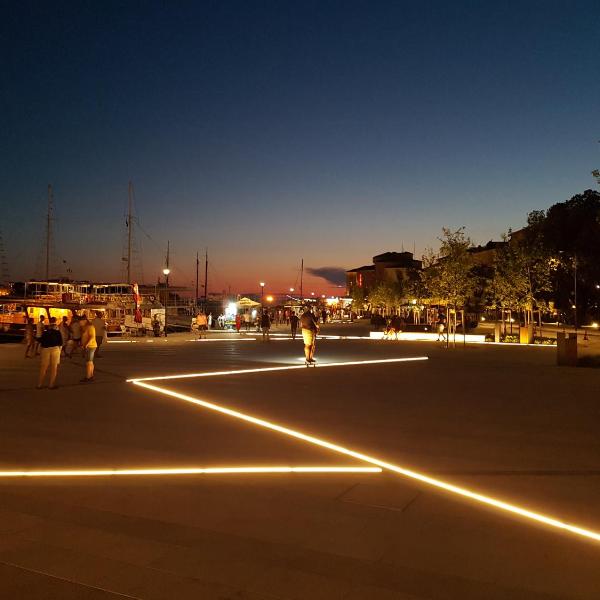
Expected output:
(202, 323)
(51, 344)
(89, 345)
(310, 328)
(39, 329)
(265, 325)
(209, 320)
(29, 338)
(65, 335)
(294, 320)
(100, 326)
(238, 322)
(441, 327)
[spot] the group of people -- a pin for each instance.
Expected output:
(50, 341)
(307, 321)
(396, 324)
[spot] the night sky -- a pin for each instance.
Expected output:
(272, 131)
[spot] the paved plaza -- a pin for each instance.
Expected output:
(503, 422)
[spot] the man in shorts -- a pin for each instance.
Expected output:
(51, 344)
(89, 345)
(202, 323)
(265, 325)
(100, 327)
(75, 335)
(39, 329)
(309, 335)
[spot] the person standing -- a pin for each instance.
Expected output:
(75, 329)
(247, 320)
(100, 326)
(51, 343)
(294, 320)
(265, 325)
(310, 328)
(65, 334)
(39, 329)
(238, 322)
(89, 345)
(209, 320)
(29, 338)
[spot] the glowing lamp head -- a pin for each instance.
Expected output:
(291, 289)
(166, 271)
(269, 298)
(262, 284)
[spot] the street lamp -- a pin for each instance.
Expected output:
(262, 292)
(166, 272)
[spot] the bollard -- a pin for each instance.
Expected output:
(526, 334)
(497, 332)
(566, 349)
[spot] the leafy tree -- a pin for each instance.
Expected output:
(447, 274)
(359, 298)
(386, 295)
(569, 232)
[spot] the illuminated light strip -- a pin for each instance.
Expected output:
(437, 483)
(244, 339)
(271, 369)
(122, 341)
(186, 471)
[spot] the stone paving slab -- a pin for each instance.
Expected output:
(301, 537)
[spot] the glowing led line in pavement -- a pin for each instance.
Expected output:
(271, 369)
(438, 483)
(241, 339)
(187, 471)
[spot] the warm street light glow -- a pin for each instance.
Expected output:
(269, 298)
(292, 289)
(262, 284)
(166, 271)
(186, 471)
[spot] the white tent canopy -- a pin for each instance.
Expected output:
(246, 303)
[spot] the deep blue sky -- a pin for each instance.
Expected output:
(269, 131)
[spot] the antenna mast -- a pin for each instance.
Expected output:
(49, 231)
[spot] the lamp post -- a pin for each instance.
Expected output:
(262, 293)
(166, 272)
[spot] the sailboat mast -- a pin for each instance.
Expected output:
(197, 267)
(129, 232)
(301, 279)
(205, 277)
(48, 231)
